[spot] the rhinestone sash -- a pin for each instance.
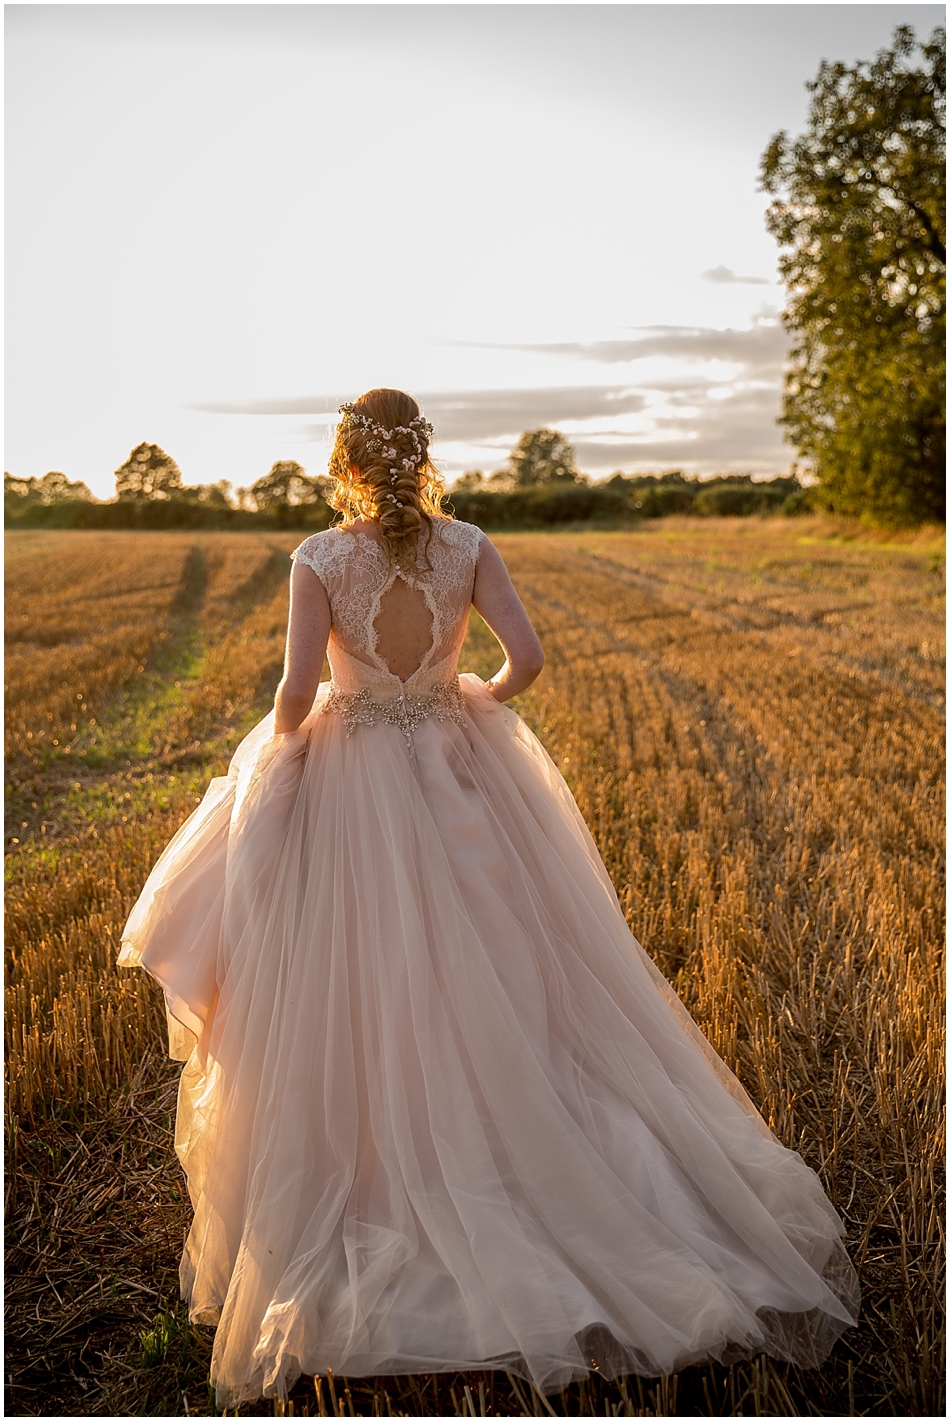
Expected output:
(405, 711)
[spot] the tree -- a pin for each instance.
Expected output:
(469, 482)
(859, 210)
(218, 496)
(542, 456)
(53, 487)
(286, 484)
(147, 473)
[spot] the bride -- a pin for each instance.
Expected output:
(439, 1110)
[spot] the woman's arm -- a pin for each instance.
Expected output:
(308, 629)
(499, 606)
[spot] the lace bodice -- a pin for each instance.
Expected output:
(353, 569)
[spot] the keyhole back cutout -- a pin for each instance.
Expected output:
(403, 628)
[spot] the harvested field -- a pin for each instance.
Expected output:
(750, 715)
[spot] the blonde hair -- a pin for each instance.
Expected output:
(381, 470)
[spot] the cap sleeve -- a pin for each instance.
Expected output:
(311, 553)
(466, 537)
(326, 554)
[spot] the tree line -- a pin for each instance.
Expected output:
(151, 493)
(540, 484)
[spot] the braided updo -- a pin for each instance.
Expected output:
(382, 471)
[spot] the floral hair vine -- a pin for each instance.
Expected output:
(379, 442)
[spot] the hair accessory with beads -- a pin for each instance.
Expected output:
(416, 426)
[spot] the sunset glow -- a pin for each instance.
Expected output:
(222, 220)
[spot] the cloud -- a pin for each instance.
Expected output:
(470, 415)
(677, 413)
(324, 405)
(737, 434)
(725, 276)
(463, 412)
(760, 348)
(495, 414)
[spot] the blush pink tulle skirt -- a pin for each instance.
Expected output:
(440, 1110)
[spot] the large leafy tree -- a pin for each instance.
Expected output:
(859, 210)
(148, 473)
(542, 456)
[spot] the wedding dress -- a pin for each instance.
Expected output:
(440, 1110)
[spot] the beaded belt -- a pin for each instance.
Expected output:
(405, 711)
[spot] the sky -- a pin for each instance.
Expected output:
(223, 220)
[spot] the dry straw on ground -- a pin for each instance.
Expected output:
(749, 715)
